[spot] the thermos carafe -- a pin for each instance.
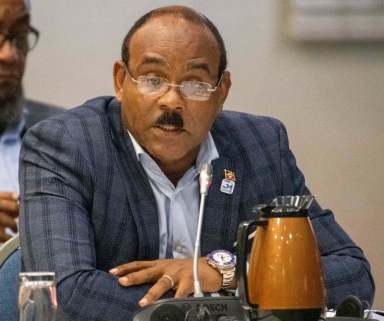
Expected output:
(285, 275)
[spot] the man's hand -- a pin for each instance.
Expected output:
(167, 274)
(9, 211)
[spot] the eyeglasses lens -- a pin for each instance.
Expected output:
(192, 90)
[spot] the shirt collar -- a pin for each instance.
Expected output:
(207, 151)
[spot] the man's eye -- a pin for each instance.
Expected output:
(20, 40)
(21, 37)
(154, 81)
(195, 85)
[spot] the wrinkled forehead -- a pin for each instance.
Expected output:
(175, 38)
(173, 26)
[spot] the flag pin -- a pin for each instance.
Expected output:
(228, 183)
(229, 175)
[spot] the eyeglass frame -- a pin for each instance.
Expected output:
(173, 85)
(12, 36)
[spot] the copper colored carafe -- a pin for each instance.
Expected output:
(285, 274)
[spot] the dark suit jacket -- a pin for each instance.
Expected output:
(87, 206)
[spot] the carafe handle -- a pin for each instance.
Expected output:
(241, 266)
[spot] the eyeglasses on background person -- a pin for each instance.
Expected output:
(190, 89)
(22, 41)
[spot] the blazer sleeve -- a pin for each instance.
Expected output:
(56, 229)
(346, 270)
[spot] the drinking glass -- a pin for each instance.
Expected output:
(37, 296)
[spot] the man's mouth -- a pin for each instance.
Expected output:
(169, 128)
(170, 122)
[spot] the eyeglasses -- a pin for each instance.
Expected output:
(23, 41)
(190, 89)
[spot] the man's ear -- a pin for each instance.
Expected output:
(118, 79)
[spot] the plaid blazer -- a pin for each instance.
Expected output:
(87, 206)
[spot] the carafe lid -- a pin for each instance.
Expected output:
(287, 206)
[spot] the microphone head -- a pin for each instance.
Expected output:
(205, 178)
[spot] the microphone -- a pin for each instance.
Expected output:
(198, 307)
(205, 180)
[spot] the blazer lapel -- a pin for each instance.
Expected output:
(222, 207)
(138, 190)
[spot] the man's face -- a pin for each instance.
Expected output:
(177, 50)
(14, 19)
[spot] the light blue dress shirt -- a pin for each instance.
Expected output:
(10, 143)
(178, 206)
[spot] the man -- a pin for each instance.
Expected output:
(109, 190)
(17, 38)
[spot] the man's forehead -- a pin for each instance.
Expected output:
(175, 23)
(177, 34)
(13, 11)
(25, 3)
(151, 58)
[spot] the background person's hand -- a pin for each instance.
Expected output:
(174, 274)
(9, 211)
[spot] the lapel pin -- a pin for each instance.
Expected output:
(228, 183)
(229, 175)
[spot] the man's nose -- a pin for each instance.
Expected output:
(172, 99)
(8, 52)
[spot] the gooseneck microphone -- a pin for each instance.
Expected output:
(198, 307)
(205, 180)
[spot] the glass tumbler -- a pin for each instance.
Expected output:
(37, 296)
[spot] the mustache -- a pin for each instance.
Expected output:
(11, 70)
(172, 119)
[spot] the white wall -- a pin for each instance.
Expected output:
(329, 96)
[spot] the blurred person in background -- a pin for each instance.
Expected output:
(17, 38)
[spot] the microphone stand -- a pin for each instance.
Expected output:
(197, 293)
(198, 307)
(205, 180)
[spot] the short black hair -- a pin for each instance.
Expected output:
(186, 13)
